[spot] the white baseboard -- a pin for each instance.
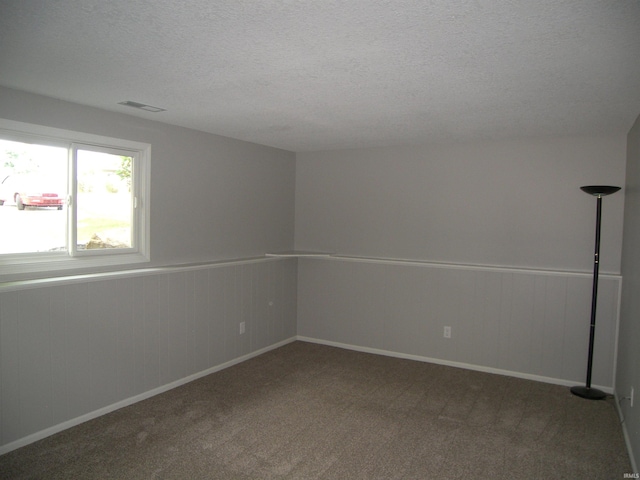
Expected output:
(34, 437)
(627, 440)
(468, 366)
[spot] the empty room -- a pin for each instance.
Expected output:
(319, 239)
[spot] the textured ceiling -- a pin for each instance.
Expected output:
(326, 74)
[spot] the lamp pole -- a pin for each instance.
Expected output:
(598, 191)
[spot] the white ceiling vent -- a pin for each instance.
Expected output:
(142, 106)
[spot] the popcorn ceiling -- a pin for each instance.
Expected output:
(318, 75)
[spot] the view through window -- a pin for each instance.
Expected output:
(65, 199)
(104, 201)
(33, 194)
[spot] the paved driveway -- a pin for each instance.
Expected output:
(32, 229)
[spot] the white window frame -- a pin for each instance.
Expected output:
(73, 259)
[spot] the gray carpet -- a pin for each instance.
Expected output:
(308, 411)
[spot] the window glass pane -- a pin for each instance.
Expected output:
(104, 200)
(33, 192)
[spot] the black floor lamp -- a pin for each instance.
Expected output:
(597, 191)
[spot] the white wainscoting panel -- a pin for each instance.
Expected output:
(74, 349)
(528, 323)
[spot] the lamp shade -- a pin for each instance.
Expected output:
(599, 190)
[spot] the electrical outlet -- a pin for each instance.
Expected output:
(241, 328)
(447, 332)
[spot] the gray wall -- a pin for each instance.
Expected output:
(514, 207)
(78, 348)
(515, 204)
(628, 371)
(72, 349)
(212, 197)
(525, 323)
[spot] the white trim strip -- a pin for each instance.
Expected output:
(462, 266)
(625, 433)
(94, 277)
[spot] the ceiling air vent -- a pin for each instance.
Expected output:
(142, 106)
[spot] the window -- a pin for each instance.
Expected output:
(71, 200)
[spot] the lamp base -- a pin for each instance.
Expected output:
(588, 393)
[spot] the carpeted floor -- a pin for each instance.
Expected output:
(307, 411)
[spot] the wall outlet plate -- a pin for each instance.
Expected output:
(447, 332)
